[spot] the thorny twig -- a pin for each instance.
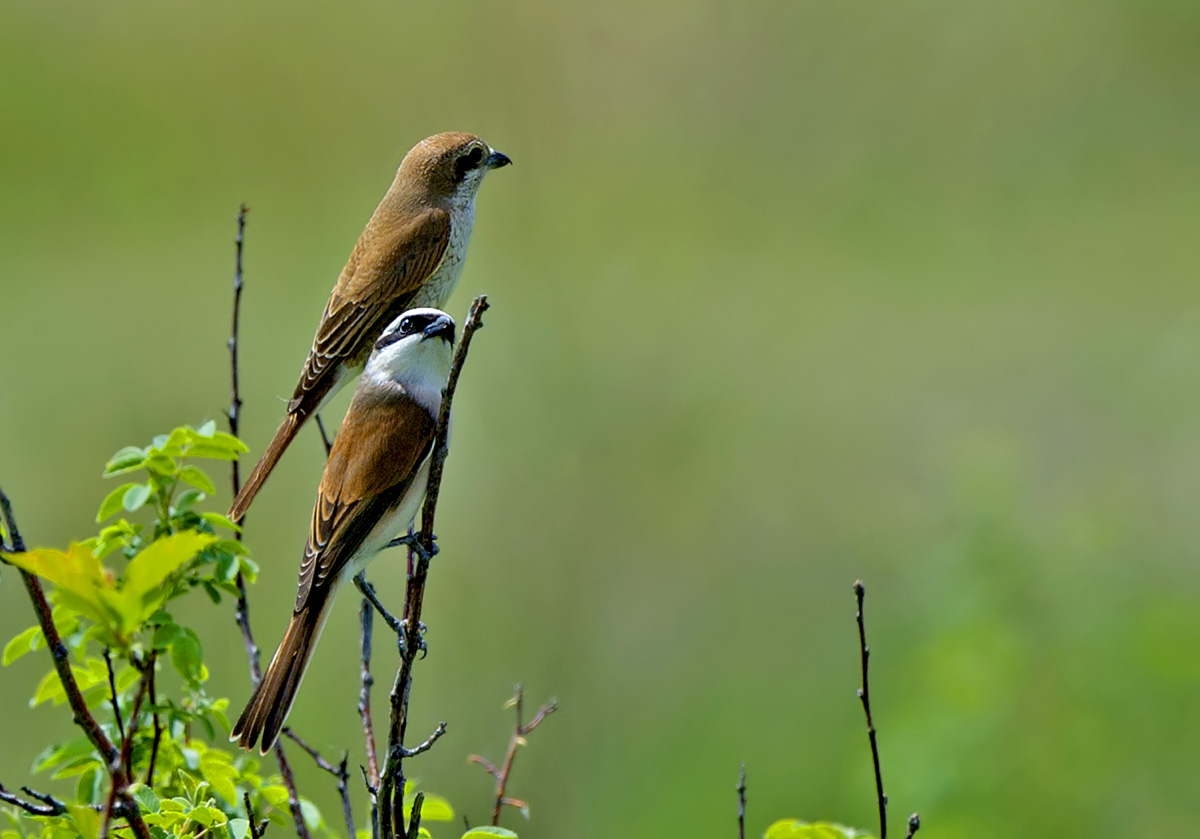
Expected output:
(242, 611)
(741, 791)
(864, 694)
(520, 731)
(391, 783)
(366, 680)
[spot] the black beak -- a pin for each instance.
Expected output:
(442, 326)
(496, 159)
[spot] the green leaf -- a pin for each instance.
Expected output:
(147, 571)
(24, 643)
(220, 521)
(145, 797)
(239, 828)
(87, 820)
(197, 478)
(187, 498)
(312, 816)
(434, 808)
(136, 496)
(220, 446)
(112, 503)
(56, 755)
(186, 654)
(126, 460)
(796, 829)
(217, 768)
(488, 830)
(88, 789)
(161, 464)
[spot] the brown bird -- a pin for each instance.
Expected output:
(374, 481)
(410, 254)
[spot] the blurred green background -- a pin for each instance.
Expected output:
(785, 294)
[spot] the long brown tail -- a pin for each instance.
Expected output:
(268, 708)
(283, 437)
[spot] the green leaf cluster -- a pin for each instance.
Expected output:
(111, 596)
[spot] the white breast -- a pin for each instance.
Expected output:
(437, 290)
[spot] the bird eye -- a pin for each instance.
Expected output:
(406, 325)
(469, 161)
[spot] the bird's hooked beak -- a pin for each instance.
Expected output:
(442, 326)
(496, 159)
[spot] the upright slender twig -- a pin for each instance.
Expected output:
(257, 828)
(741, 791)
(242, 612)
(62, 666)
(864, 693)
(158, 727)
(367, 621)
(391, 783)
(112, 688)
(325, 441)
(914, 824)
(521, 730)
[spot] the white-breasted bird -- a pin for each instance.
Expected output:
(372, 487)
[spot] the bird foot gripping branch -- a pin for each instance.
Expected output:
(416, 543)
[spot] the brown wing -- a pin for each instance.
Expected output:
(375, 458)
(386, 268)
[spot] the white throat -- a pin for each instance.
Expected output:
(417, 366)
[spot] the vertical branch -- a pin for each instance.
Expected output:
(391, 784)
(864, 693)
(235, 397)
(152, 663)
(242, 611)
(112, 688)
(520, 731)
(914, 824)
(367, 620)
(741, 791)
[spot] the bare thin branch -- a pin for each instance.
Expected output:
(325, 439)
(520, 731)
(112, 688)
(914, 824)
(391, 784)
(152, 665)
(864, 693)
(242, 612)
(741, 791)
(51, 805)
(341, 772)
(257, 828)
(426, 744)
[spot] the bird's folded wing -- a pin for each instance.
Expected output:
(378, 451)
(384, 270)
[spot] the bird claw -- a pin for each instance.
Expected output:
(402, 639)
(410, 541)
